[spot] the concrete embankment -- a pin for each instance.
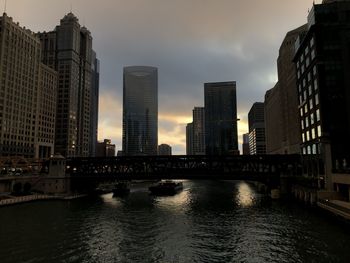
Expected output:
(30, 198)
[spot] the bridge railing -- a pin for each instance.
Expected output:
(209, 165)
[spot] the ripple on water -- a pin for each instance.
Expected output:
(207, 222)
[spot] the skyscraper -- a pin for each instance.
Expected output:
(27, 94)
(95, 87)
(245, 144)
(220, 118)
(198, 131)
(322, 64)
(189, 138)
(68, 50)
(256, 121)
(140, 110)
(282, 125)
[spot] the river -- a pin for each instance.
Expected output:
(209, 221)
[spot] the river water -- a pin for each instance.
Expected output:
(207, 222)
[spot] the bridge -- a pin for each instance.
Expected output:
(264, 168)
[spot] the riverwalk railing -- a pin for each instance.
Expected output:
(330, 204)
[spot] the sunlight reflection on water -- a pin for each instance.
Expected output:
(245, 195)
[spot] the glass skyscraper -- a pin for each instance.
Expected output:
(140, 110)
(220, 118)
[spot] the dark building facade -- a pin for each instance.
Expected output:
(245, 144)
(164, 150)
(220, 118)
(256, 121)
(27, 94)
(105, 148)
(282, 125)
(68, 50)
(323, 81)
(189, 139)
(198, 115)
(95, 89)
(140, 110)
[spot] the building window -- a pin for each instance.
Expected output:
(318, 117)
(310, 90)
(311, 104)
(312, 119)
(316, 99)
(315, 84)
(307, 62)
(313, 134)
(319, 134)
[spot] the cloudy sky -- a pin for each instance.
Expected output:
(190, 41)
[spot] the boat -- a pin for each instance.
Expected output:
(166, 188)
(121, 189)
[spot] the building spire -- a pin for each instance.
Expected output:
(5, 6)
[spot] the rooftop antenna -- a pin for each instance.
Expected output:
(71, 6)
(5, 6)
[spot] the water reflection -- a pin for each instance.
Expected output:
(245, 195)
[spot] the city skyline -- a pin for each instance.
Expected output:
(189, 48)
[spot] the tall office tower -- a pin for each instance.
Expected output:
(245, 145)
(189, 139)
(256, 121)
(140, 110)
(198, 131)
(323, 81)
(220, 118)
(27, 94)
(95, 86)
(68, 50)
(164, 149)
(282, 125)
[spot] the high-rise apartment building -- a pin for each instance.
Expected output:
(27, 94)
(256, 121)
(140, 110)
(220, 118)
(323, 81)
(164, 150)
(68, 50)
(282, 125)
(189, 139)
